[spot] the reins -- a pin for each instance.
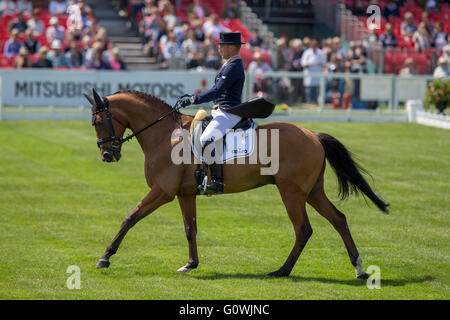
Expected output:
(117, 141)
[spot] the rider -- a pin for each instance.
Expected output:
(226, 92)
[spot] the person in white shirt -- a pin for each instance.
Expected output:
(25, 6)
(214, 27)
(35, 24)
(57, 7)
(312, 61)
(55, 31)
(7, 7)
(442, 70)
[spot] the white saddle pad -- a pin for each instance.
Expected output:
(238, 143)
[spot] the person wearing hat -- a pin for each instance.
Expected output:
(226, 92)
(442, 70)
(55, 31)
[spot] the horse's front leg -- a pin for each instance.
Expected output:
(156, 198)
(188, 209)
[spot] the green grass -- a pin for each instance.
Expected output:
(62, 206)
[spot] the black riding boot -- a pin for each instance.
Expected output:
(216, 185)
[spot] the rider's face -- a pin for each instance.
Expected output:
(227, 50)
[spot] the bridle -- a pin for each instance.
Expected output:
(116, 141)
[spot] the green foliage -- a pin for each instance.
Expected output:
(62, 206)
(438, 94)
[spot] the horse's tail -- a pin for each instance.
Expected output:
(348, 171)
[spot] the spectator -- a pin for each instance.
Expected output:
(258, 67)
(181, 31)
(426, 21)
(30, 43)
(294, 63)
(169, 16)
(56, 55)
(371, 38)
(115, 61)
(408, 27)
(171, 48)
(7, 7)
(75, 18)
(74, 57)
(388, 38)
(193, 50)
(312, 61)
(358, 57)
(198, 29)
(23, 59)
(442, 70)
(446, 51)
(57, 7)
(149, 25)
(358, 8)
(408, 69)
(255, 39)
(231, 10)
(336, 48)
(54, 31)
(25, 6)
(349, 85)
(213, 26)
(137, 5)
(212, 60)
(98, 61)
(18, 23)
(198, 9)
(43, 62)
(35, 23)
(422, 38)
(440, 36)
(391, 9)
(431, 6)
(12, 45)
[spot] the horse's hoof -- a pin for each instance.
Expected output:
(184, 269)
(363, 276)
(102, 263)
(278, 274)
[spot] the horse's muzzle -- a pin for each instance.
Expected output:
(107, 157)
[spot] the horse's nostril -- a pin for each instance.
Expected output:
(107, 157)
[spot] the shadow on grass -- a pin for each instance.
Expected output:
(353, 282)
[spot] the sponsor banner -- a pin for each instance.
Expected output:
(66, 87)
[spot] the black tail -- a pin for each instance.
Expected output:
(348, 171)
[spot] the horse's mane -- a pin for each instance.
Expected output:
(146, 97)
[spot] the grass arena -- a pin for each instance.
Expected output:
(61, 205)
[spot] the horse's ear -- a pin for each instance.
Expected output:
(98, 101)
(90, 99)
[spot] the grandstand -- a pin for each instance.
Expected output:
(181, 35)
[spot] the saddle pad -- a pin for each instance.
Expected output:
(237, 143)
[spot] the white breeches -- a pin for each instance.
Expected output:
(217, 128)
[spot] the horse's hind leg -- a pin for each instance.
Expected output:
(319, 201)
(150, 203)
(188, 209)
(294, 202)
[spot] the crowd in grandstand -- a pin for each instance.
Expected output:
(65, 35)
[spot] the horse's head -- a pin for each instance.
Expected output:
(109, 133)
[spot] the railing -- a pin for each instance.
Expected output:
(391, 89)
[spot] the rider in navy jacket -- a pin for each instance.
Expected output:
(228, 86)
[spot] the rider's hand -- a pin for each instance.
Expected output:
(186, 101)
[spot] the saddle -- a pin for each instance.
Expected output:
(237, 143)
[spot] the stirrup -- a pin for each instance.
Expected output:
(215, 187)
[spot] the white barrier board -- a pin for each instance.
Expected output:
(376, 88)
(66, 88)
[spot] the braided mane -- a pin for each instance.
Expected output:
(148, 98)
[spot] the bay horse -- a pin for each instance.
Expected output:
(300, 177)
